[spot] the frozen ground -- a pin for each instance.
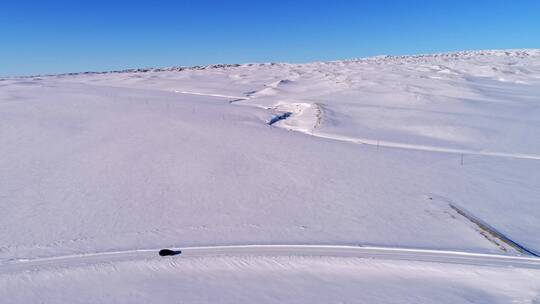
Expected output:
(123, 161)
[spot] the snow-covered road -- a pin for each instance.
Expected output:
(383, 253)
(270, 274)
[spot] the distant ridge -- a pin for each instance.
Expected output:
(519, 53)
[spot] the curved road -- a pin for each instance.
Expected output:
(416, 255)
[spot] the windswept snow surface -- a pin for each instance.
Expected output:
(373, 152)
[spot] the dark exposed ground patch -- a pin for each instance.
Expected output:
(279, 117)
(491, 233)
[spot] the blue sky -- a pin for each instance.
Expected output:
(67, 36)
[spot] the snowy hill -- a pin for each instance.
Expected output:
(437, 152)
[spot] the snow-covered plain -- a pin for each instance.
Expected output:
(374, 152)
